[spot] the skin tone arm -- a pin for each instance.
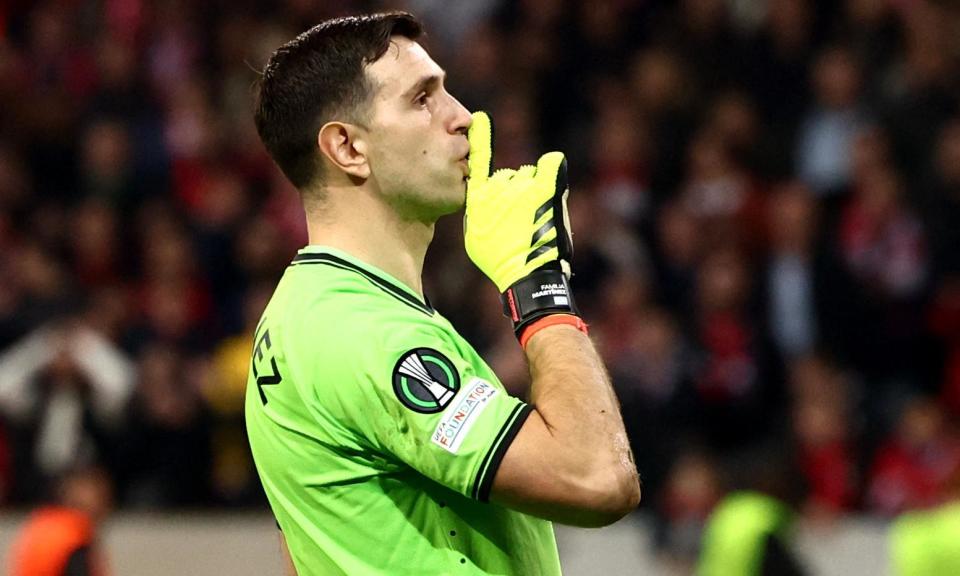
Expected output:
(288, 567)
(571, 461)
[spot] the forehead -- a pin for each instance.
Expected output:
(401, 66)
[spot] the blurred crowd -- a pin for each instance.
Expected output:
(765, 201)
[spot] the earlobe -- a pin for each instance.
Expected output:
(344, 146)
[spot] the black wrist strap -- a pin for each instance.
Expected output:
(545, 291)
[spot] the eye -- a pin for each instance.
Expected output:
(422, 100)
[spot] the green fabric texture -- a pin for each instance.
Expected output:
(736, 532)
(377, 430)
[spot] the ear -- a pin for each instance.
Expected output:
(345, 146)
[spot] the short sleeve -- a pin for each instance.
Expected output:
(426, 399)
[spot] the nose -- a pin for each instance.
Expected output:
(461, 118)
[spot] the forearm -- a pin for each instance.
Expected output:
(288, 567)
(111, 374)
(19, 364)
(571, 392)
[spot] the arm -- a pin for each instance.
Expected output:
(111, 374)
(571, 461)
(19, 364)
(288, 567)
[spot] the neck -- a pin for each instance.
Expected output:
(360, 224)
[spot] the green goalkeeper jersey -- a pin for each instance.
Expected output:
(377, 431)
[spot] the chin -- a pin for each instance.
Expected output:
(453, 198)
(452, 206)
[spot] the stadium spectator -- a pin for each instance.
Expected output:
(61, 538)
(794, 279)
(732, 368)
(165, 453)
(691, 492)
(912, 468)
(823, 151)
(63, 388)
(824, 435)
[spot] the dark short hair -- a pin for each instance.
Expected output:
(319, 76)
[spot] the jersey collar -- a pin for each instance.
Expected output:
(316, 254)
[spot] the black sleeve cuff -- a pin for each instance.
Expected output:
(498, 449)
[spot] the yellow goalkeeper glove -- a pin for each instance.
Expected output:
(517, 230)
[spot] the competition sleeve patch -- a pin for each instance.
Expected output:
(425, 380)
(458, 420)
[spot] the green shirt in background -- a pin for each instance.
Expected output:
(736, 537)
(377, 431)
(927, 542)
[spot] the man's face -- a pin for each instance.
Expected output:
(417, 134)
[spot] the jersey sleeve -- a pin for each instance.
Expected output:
(427, 400)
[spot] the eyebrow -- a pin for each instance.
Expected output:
(424, 83)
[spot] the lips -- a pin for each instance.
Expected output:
(464, 161)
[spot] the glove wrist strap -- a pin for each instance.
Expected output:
(543, 292)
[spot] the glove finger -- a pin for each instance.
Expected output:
(480, 137)
(552, 172)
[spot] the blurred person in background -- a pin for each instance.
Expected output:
(776, 72)
(750, 531)
(107, 172)
(661, 86)
(679, 247)
(234, 478)
(722, 194)
(35, 289)
(824, 431)
(924, 543)
(870, 28)
(691, 490)
(620, 158)
(737, 395)
(942, 212)
(165, 454)
(95, 258)
(885, 258)
(649, 366)
(733, 115)
(62, 538)
(912, 468)
(882, 241)
(921, 97)
(794, 282)
(173, 298)
(704, 33)
(940, 203)
(827, 131)
(64, 390)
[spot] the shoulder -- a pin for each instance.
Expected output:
(332, 308)
(339, 289)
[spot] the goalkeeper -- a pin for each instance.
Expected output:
(384, 443)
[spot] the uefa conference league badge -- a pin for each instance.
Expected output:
(425, 380)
